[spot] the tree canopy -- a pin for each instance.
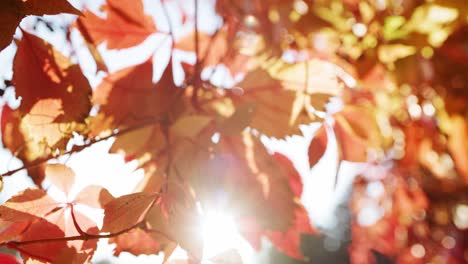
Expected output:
(385, 80)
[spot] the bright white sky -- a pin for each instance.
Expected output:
(96, 166)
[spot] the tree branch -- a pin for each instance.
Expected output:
(79, 148)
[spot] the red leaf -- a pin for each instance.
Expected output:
(8, 259)
(13, 11)
(125, 26)
(11, 231)
(39, 230)
(289, 241)
(294, 179)
(126, 211)
(58, 77)
(318, 145)
(26, 206)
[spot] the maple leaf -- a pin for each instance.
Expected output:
(40, 213)
(127, 211)
(13, 11)
(273, 114)
(27, 205)
(176, 218)
(125, 26)
(93, 196)
(32, 214)
(356, 131)
(46, 117)
(136, 242)
(132, 88)
(42, 229)
(285, 95)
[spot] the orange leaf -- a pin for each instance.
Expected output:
(136, 242)
(125, 26)
(274, 105)
(353, 148)
(356, 131)
(126, 211)
(458, 146)
(12, 138)
(61, 176)
(314, 76)
(177, 220)
(238, 121)
(189, 126)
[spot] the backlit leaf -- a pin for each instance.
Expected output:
(126, 211)
(126, 25)
(61, 176)
(13, 11)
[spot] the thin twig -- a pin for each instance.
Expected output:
(77, 148)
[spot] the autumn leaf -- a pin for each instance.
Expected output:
(356, 130)
(8, 259)
(289, 241)
(42, 229)
(27, 205)
(12, 137)
(318, 145)
(196, 123)
(48, 115)
(61, 176)
(274, 105)
(13, 11)
(136, 242)
(126, 25)
(176, 218)
(458, 145)
(132, 88)
(127, 211)
(93, 196)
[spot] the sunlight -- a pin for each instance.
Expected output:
(220, 234)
